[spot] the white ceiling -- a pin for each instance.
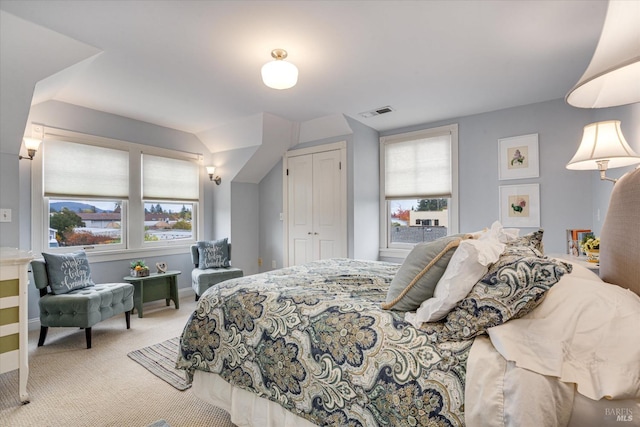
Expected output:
(195, 65)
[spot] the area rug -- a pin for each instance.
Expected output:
(160, 360)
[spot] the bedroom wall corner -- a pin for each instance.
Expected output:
(22, 41)
(245, 226)
(271, 233)
(363, 168)
(565, 196)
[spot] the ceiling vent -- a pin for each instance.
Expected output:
(377, 112)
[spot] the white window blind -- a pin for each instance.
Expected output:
(418, 168)
(165, 178)
(75, 169)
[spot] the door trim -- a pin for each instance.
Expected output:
(340, 145)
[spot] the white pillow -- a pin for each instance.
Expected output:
(504, 235)
(584, 332)
(468, 264)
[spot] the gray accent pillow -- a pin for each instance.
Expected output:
(68, 271)
(213, 254)
(418, 276)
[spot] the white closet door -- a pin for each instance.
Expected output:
(300, 211)
(316, 205)
(328, 240)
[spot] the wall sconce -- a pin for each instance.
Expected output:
(211, 170)
(603, 146)
(32, 145)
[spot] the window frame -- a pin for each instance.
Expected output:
(401, 250)
(110, 247)
(133, 207)
(175, 242)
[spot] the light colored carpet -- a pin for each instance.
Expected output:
(72, 386)
(160, 360)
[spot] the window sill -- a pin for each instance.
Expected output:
(395, 254)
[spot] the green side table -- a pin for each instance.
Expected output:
(154, 287)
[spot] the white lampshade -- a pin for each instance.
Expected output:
(32, 143)
(603, 141)
(279, 74)
(613, 76)
(211, 170)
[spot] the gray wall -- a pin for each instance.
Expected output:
(250, 213)
(271, 232)
(19, 75)
(244, 226)
(70, 117)
(365, 171)
(568, 199)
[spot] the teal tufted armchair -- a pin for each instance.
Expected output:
(80, 308)
(202, 278)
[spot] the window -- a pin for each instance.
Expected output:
(105, 195)
(169, 191)
(86, 223)
(165, 222)
(418, 181)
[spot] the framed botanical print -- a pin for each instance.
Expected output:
(520, 205)
(518, 157)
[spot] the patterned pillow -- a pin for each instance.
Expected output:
(531, 240)
(511, 289)
(67, 272)
(213, 254)
(420, 272)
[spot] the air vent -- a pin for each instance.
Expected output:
(377, 112)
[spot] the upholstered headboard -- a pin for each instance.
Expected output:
(620, 236)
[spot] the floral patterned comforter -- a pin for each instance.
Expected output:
(314, 339)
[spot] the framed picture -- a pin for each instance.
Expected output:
(518, 157)
(520, 205)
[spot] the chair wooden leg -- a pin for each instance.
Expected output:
(43, 335)
(87, 333)
(127, 316)
(197, 297)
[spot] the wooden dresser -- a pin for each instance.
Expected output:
(14, 350)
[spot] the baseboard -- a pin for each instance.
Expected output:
(34, 324)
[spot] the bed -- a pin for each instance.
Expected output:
(311, 345)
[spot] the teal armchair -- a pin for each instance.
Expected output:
(81, 307)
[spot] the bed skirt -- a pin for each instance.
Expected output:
(246, 408)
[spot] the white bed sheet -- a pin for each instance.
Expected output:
(499, 394)
(584, 332)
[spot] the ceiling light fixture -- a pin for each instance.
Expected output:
(603, 146)
(613, 76)
(279, 74)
